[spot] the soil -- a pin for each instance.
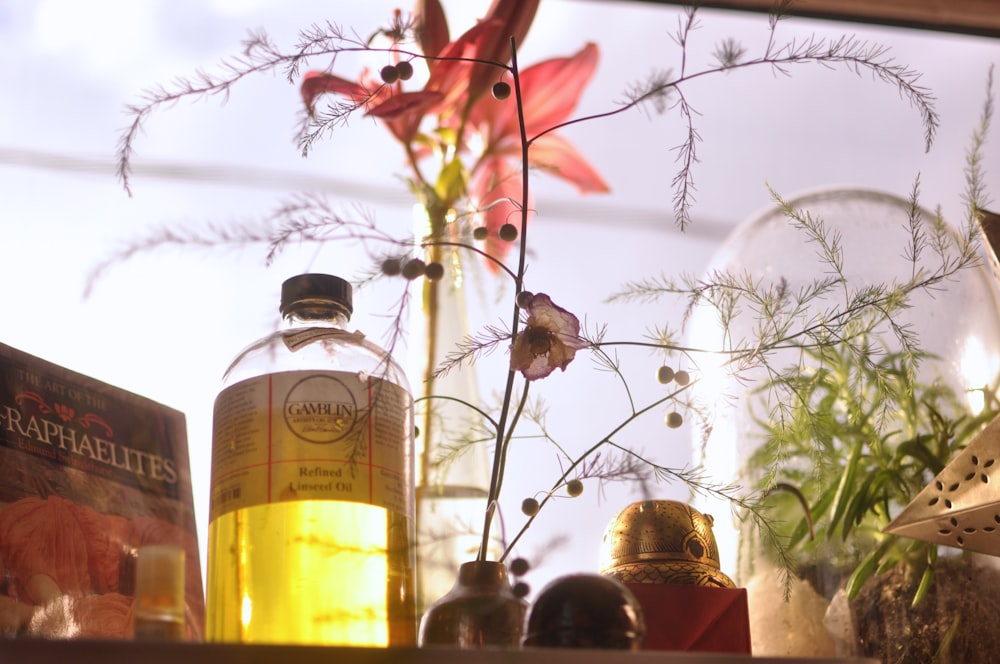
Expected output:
(958, 621)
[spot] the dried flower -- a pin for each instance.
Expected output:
(549, 340)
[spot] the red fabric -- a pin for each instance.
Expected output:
(694, 618)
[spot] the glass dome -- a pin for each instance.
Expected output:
(870, 236)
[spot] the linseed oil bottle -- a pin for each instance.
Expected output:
(311, 527)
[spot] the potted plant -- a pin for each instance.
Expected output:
(858, 392)
(838, 470)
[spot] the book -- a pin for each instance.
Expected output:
(89, 475)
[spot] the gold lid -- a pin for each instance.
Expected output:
(662, 541)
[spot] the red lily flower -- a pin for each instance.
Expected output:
(550, 91)
(458, 77)
(451, 77)
(462, 81)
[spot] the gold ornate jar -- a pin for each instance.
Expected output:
(662, 541)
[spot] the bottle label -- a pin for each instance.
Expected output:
(298, 339)
(308, 435)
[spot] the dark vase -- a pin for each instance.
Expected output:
(480, 610)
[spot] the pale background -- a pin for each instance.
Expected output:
(167, 323)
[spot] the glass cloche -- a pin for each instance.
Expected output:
(843, 376)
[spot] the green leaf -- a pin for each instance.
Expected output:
(447, 135)
(846, 483)
(916, 448)
(865, 568)
(887, 563)
(450, 185)
(861, 503)
(926, 579)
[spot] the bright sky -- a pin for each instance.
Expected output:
(167, 323)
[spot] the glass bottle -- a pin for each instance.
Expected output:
(311, 525)
(159, 593)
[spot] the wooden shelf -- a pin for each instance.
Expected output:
(25, 651)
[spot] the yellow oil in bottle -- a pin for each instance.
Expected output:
(321, 572)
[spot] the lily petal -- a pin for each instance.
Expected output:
(552, 88)
(557, 156)
(404, 111)
(452, 72)
(496, 184)
(315, 83)
(512, 18)
(405, 102)
(431, 26)
(516, 17)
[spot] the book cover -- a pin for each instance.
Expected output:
(89, 474)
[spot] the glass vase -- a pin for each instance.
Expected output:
(453, 461)
(480, 610)
(859, 435)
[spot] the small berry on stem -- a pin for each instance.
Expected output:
(530, 506)
(389, 74)
(682, 378)
(501, 90)
(391, 267)
(508, 232)
(519, 567)
(405, 70)
(674, 419)
(434, 271)
(413, 268)
(664, 374)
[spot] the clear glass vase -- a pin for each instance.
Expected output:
(853, 434)
(453, 460)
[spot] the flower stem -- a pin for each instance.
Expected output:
(432, 307)
(500, 450)
(604, 440)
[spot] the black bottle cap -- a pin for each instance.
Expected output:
(316, 287)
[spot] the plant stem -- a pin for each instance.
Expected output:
(500, 449)
(605, 440)
(431, 306)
